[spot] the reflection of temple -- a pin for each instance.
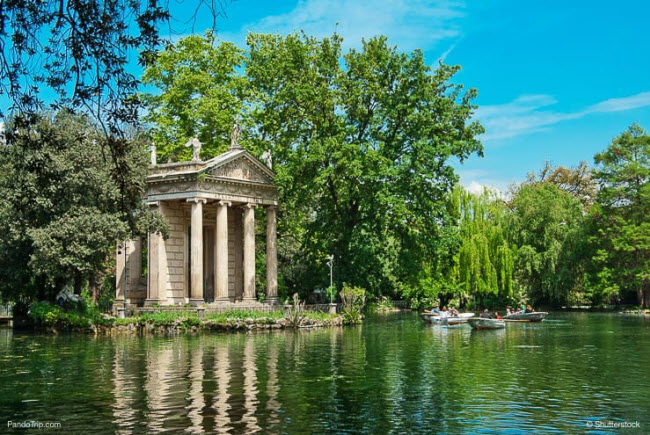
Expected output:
(210, 207)
(196, 386)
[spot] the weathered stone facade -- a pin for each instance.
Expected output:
(209, 256)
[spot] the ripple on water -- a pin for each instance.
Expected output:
(403, 377)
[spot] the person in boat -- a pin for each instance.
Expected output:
(485, 314)
(444, 312)
(529, 309)
(509, 311)
(497, 315)
(435, 310)
(454, 312)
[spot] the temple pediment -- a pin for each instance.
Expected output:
(235, 176)
(240, 167)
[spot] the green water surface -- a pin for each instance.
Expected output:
(393, 374)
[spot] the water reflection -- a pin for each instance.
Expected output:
(394, 375)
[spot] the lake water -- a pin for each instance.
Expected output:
(393, 374)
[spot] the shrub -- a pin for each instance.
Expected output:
(353, 300)
(296, 314)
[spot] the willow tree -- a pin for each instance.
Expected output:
(485, 261)
(361, 143)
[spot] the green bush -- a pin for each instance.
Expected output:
(43, 314)
(353, 300)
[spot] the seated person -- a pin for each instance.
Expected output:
(529, 309)
(497, 315)
(435, 310)
(485, 314)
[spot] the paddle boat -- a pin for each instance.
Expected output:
(535, 316)
(456, 320)
(431, 317)
(479, 323)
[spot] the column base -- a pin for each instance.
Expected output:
(250, 301)
(151, 302)
(272, 300)
(197, 302)
(222, 301)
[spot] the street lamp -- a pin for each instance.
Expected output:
(330, 263)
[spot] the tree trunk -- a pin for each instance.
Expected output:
(640, 298)
(93, 287)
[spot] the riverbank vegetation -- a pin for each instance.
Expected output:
(565, 236)
(44, 316)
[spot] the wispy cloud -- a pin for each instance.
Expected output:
(408, 23)
(620, 104)
(530, 114)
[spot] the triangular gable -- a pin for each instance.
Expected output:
(239, 165)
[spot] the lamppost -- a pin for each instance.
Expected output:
(330, 263)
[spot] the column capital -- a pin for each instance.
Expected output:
(197, 200)
(271, 207)
(226, 203)
(153, 203)
(249, 205)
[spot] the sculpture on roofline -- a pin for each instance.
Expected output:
(196, 148)
(234, 137)
(152, 150)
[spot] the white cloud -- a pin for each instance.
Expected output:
(477, 180)
(475, 188)
(620, 104)
(409, 24)
(530, 114)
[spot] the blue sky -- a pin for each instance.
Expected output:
(557, 80)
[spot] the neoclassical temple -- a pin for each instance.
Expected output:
(209, 256)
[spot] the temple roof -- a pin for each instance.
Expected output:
(234, 175)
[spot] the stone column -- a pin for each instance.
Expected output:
(153, 278)
(221, 253)
(196, 266)
(249, 252)
(271, 255)
(131, 266)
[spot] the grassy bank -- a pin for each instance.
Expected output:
(51, 318)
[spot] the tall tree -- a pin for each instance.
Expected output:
(361, 143)
(577, 181)
(201, 95)
(61, 205)
(544, 226)
(485, 262)
(623, 215)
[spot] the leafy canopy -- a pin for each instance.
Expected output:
(61, 205)
(360, 142)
